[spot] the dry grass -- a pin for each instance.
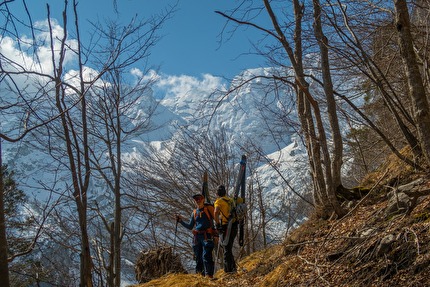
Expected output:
(344, 252)
(179, 280)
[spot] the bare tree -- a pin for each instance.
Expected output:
(115, 118)
(365, 50)
(21, 106)
(14, 69)
(77, 153)
(168, 177)
(309, 111)
(4, 268)
(323, 43)
(70, 121)
(416, 87)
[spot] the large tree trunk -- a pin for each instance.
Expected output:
(334, 164)
(118, 208)
(417, 92)
(4, 268)
(308, 112)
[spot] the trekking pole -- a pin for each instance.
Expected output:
(217, 253)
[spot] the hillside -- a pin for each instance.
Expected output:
(380, 242)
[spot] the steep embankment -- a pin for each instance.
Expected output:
(384, 240)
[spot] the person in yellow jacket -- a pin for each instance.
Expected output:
(222, 210)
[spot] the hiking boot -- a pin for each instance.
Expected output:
(234, 270)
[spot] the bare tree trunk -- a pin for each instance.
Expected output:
(415, 82)
(79, 168)
(312, 149)
(80, 197)
(110, 267)
(336, 163)
(117, 191)
(262, 209)
(305, 114)
(4, 268)
(305, 110)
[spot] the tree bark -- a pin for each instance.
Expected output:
(417, 92)
(334, 163)
(4, 268)
(308, 108)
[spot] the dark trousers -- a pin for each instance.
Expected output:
(229, 263)
(203, 254)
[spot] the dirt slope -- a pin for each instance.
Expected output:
(367, 247)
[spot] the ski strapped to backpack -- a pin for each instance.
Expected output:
(205, 188)
(241, 207)
(208, 209)
(238, 209)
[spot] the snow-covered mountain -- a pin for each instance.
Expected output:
(252, 113)
(255, 114)
(259, 116)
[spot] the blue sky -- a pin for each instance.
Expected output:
(191, 41)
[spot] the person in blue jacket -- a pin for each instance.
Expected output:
(201, 223)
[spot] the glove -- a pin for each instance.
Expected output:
(178, 218)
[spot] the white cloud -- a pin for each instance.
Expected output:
(184, 85)
(136, 72)
(39, 60)
(141, 77)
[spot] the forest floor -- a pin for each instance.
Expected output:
(366, 247)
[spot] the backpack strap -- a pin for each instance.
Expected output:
(206, 211)
(211, 229)
(230, 205)
(230, 201)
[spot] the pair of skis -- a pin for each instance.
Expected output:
(238, 189)
(240, 184)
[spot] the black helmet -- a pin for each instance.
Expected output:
(197, 196)
(221, 190)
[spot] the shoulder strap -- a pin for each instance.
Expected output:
(208, 214)
(206, 211)
(229, 201)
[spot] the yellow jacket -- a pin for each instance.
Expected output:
(223, 206)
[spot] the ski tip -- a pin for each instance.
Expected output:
(243, 159)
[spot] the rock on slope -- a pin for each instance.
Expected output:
(375, 244)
